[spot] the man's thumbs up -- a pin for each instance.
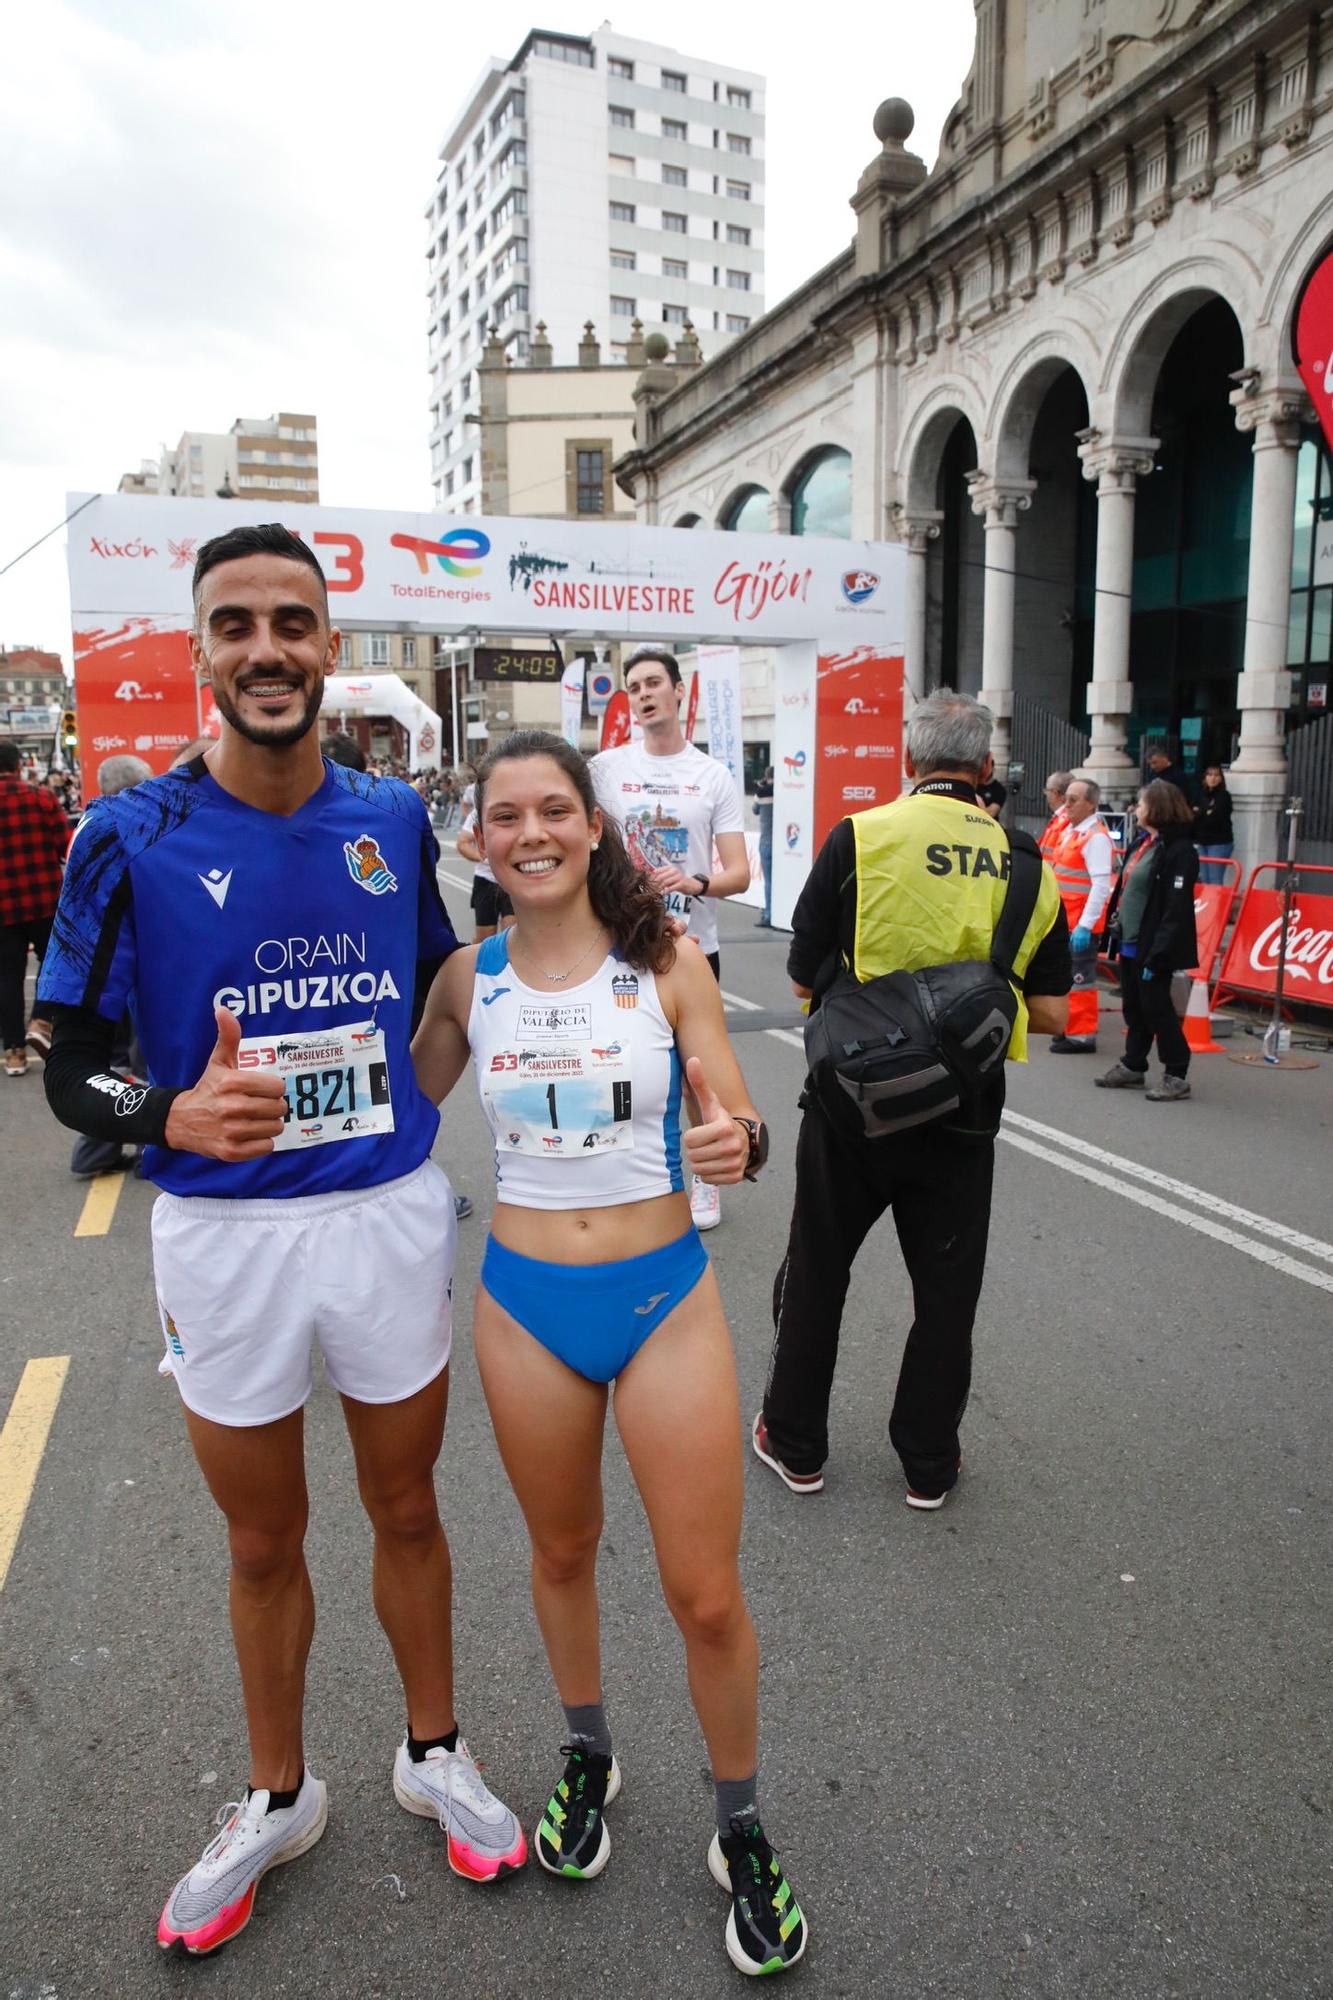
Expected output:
(717, 1147)
(232, 1113)
(228, 1041)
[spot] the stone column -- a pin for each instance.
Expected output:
(1258, 778)
(999, 503)
(1116, 464)
(915, 533)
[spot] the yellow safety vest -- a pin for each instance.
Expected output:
(931, 875)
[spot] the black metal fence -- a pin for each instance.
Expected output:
(1310, 765)
(1041, 742)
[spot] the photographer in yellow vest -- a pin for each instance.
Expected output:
(918, 883)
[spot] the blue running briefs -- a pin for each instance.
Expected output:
(594, 1317)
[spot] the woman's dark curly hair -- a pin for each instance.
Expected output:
(622, 896)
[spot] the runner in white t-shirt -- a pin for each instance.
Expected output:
(676, 806)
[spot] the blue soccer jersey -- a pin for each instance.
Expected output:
(179, 899)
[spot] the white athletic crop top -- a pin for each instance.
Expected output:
(581, 1088)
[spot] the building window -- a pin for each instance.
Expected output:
(674, 315)
(738, 281)
(514, 301)
(623, 260)
(675, 128)
(620, 163)
(622, 115)
(461, 217)
(569, 52)
(737, 323)
(467, 471)
(515, 154)
(737, 142)
(590, 482)
(675, 267)
(673, 80)
(821, 500)
(377, 649)
(409, 652)
(622, 211)
(737, 233)
(617, 66)
(479, 240)
(738, 99)
(622, 308)
(738, 190)
(748, 512)
(675, 225)
(448, 484)
(675, 177)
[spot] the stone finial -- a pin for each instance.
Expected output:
(590, 351)
(656, 349)
(894, 123)
(689, 354)
(888, 180)
(540, 354)
(493, 354)
(634, 352)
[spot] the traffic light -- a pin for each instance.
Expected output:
(69, 730)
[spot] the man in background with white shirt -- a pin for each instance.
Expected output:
(676, 805)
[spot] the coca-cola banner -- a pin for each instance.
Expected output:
(134, 690)
(133, 554)
(1250, 965)
(859, 725)
(1212, 907)
(1312, 339)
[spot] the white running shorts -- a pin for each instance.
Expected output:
(246, 1287)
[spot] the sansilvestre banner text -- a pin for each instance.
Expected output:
(134, 554)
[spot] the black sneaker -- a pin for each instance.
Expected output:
(572, 1838)
(766, 1931)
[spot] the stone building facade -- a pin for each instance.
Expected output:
(1057, 367)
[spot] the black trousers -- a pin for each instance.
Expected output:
(938, 1185)
(1149, 1016)
(14, 942)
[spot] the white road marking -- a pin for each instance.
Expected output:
(1262, 1225)
(787, 1035)
(1149, 1194)
(1263, 1253)
(457, 881)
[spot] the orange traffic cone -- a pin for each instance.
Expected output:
(1198, 1021)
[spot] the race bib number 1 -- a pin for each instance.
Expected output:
(336, 1083)
(562, 1102)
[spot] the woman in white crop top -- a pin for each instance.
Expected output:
(583, 1022)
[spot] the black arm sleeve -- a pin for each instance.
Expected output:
(818, 921)
(86, 1094)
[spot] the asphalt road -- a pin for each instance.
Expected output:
(1070, 1736)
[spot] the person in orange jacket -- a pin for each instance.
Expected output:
(1082, 857)
(1057, 785)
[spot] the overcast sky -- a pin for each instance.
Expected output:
(208, 212)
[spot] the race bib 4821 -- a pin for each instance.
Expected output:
(336, 1082)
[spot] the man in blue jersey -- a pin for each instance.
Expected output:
(264, 915)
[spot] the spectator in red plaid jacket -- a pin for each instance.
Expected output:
(34, 835)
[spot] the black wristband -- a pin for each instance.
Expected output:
(703, 881)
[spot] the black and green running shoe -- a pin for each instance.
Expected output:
(572, 1838)
(765, 1931)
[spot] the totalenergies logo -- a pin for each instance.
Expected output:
(458, 553)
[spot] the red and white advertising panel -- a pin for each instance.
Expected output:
(1312, 339)
(859, 728)
(795, 672)
(1212, 907)
(1250, 965)
(134, 690)
(133, 554)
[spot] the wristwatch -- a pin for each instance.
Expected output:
(757, 1133)
(703, 881)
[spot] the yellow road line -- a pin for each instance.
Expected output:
(22, 1442)
(99, 1205)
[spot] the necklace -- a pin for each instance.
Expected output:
(559, 978)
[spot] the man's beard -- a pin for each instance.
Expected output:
(279, 738)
